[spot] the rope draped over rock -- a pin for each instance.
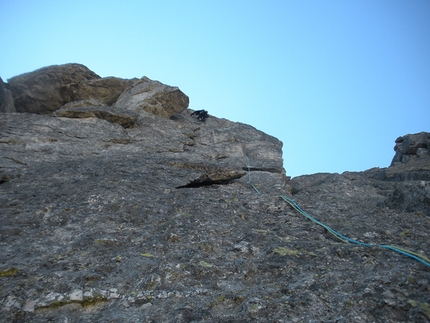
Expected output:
(341, 237)
(424, 260)
(249, 175)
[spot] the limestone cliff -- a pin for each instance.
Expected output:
(117, 205)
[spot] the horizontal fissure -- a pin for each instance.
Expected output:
(195, 184)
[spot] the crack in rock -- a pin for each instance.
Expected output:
(219, 178)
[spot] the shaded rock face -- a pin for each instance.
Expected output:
(158, 222)
(6, 99)
(40, 91)
(411, 146)
(106, 90)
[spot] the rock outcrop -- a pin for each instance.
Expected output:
(154, 97)
(48, 89)
(411, 146)
(138, 211)
(106, 90)
(40, 91)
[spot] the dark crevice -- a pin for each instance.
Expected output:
(213, 179)
(3, 180)
(195, 184)
(6, 178)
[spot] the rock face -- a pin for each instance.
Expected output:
(40, 91)
(154, 97)
(411, 146)
(106, 90)
(162, 219)
(95, 108)
(48, 89)
(6, 98)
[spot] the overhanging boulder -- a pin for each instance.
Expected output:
(40, 91)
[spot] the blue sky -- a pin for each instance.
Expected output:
(336, 81)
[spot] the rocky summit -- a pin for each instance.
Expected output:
(118, 204)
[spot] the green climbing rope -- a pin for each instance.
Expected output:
(249, 175)
(339, 236)
(402, 251)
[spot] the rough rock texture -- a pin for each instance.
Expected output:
(154, 97)
(411, 146)
(50, 88)
(139, 97)
(40, 91)
(95, 108)
(6, 98)
(106, 90)
(158, 222)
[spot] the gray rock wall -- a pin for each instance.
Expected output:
(117, 213)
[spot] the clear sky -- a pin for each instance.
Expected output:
(336, 81)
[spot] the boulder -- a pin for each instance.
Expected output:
(153, 97)
(6, 98)
(40, 91)
(48, 89)
(106, 90)
(411, 146)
